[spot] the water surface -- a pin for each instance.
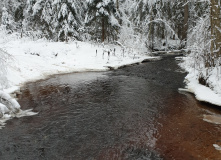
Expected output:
(131, 113)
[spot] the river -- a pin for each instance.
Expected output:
(134, 113)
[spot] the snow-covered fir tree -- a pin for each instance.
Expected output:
(11, 12)
(38, 17)
(7, 20)
(67, 18)
(56, 19)
(102, 19)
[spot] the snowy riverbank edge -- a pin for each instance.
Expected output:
(201, 92)
(31, 60)
(15, 89)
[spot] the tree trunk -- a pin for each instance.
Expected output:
(21, 29)
(117, 4)
(215, 30)
(103, 30)
(151, 31)
(185, 22)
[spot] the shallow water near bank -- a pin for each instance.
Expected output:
(131, 113)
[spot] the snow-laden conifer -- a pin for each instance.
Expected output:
(68, 19)
(102, 19)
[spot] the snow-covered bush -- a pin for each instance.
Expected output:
(199, 44)
(131, 39)
(200, 60)
(4, 57)
(7, 20)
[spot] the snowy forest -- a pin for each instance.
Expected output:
(141, 26)
(154, 23)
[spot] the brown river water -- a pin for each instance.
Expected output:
(134, 113)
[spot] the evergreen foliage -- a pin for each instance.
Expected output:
(56, 19)
(151, 23)
(102, 19)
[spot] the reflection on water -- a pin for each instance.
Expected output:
(132, 113)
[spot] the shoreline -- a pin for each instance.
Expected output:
(15, 90)
(202, 93)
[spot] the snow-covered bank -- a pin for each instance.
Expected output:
(10, 108)
(210, 94)
(33, 60)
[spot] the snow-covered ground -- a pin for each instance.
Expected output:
(33, 60)
(202, 93)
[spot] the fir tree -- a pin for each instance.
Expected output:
(102, 19)
(68, 18)
(38, 17)
(6, 19)
(56, 19)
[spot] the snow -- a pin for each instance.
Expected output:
(3, 109)
(11, 109)
(202, 93)
(39, 59)
(114, 21)
(34, 60)
(217, 147)
(12, 103)
(215, 119)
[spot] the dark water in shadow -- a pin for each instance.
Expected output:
(132, 113)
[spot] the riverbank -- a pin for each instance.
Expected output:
(33, 60)
(202, 93)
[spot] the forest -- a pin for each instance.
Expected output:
(152, 22)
